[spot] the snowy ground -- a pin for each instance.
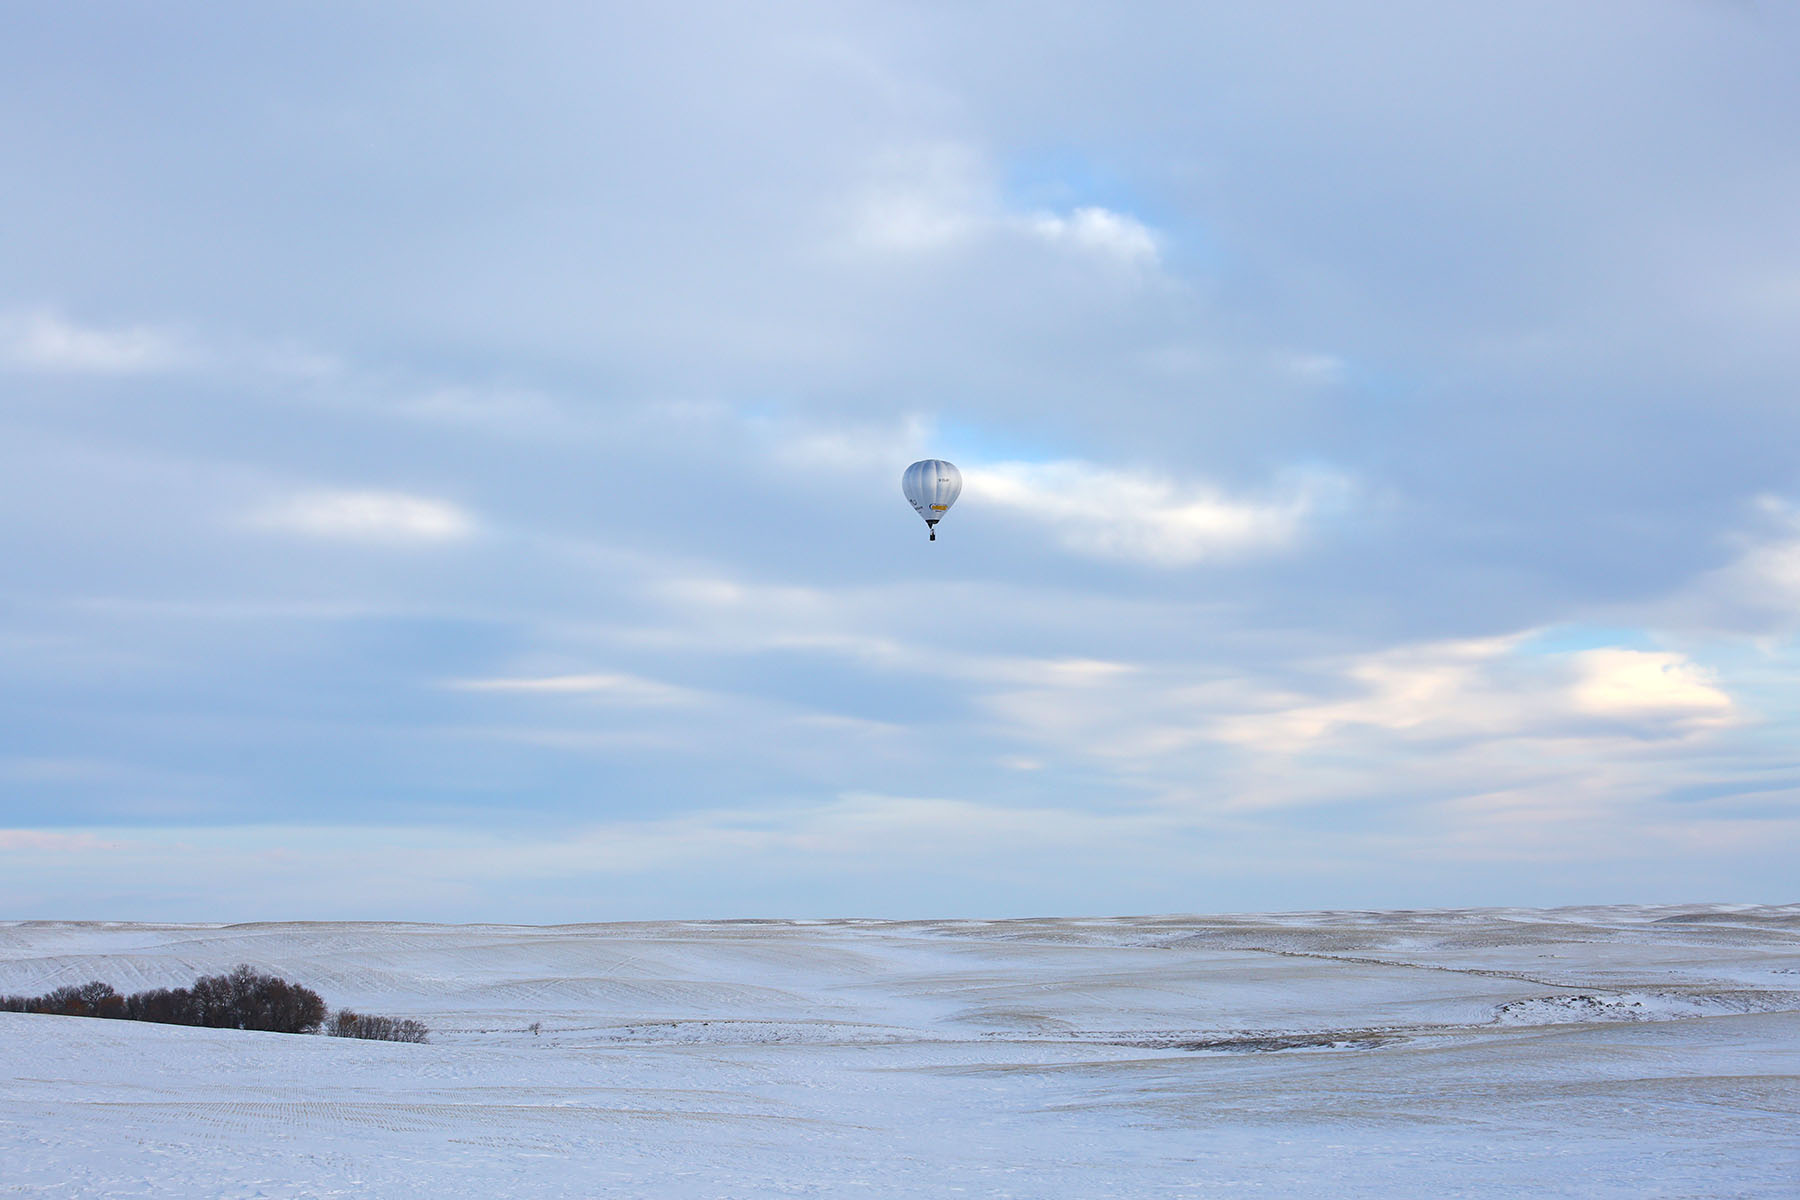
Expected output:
(1619, 1052)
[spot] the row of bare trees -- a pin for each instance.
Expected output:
(345, 1023)
(243, 999)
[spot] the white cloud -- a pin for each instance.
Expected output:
(1759, 589)
(931, 198)
(734, 616)
(1641, 683)
(1053, 672)
(368, 516)
(1150, 518)
(1438, 721)
(1105, 511)
(510, 411)
(1098, 231)
(922, 199)
(849, 449)
(42, 340)
(1439, 685)
(1487, 689)
(619, 688)
(1316, 367)
(49, 841)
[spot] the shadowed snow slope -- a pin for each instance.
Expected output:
(1478, 1053)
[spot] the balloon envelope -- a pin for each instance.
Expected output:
(932, 485)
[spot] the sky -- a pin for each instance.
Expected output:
(450, 457)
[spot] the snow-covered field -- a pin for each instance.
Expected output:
(1622, 1052)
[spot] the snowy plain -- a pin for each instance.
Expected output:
(1599, 1052)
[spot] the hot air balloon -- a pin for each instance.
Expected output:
(932, 485)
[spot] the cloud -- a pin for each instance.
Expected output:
(1758, 590)
(507, 411)
(1646, 684)
(1093, 508)
(366, 516)
(1096, 509)
(1128, 295)
(1423, 729)
(922, 199)
(49, 841)
(1151, 518)
(1437, 687)
(933, 198)
(1492, 689)
(621, 689)
(854, 449)
(1098, 231)
(732, 616)
(42, 340)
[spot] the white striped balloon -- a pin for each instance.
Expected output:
(932, 485)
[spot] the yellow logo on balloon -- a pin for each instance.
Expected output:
(939, 507)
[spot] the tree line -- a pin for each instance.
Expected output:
(345, 1023)
(242, 999)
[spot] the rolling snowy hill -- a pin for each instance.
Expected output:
(1598, 1052)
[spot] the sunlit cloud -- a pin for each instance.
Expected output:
(1640, 683)
(1490, 689)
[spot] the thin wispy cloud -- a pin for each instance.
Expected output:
(1139, 515)
(1757, 591)
(40, 841)
(922, 199)
(614, 688)
(938, 198)
(43, 340)
(1099, 231)
(365, 516)
(1492, 688)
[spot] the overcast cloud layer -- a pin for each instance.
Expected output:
(450, 458)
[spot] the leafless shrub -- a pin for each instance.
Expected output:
(345, 1023)
(94, 999)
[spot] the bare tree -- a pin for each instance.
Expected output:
(345, 1023)
(244, 999)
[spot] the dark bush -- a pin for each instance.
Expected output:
(94, 999)
(243, 999)
(164, 1006)
(345, 1023)
(246, 1000)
